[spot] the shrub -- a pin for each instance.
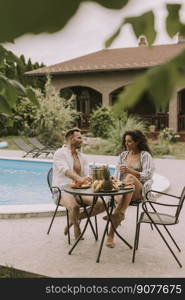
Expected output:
(21, 120)
(101, 121)
(120, 126)
(167, 134)
(158, 149)
(54, 116)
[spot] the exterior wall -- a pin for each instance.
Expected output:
(107, 82)
(103, 82)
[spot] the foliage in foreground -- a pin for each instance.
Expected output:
(160, 82)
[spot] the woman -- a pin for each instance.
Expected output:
(135, 168)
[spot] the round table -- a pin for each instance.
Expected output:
(80, 192)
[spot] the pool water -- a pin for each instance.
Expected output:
(25, 182)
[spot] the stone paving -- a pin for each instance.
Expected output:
(25, 244)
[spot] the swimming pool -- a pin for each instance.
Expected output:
(24, 182)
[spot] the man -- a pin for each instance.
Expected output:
(69, 165)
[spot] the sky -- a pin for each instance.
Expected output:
(88, 30)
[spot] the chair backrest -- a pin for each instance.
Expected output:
(36, 143)
(49, 178)
(181, 202)
(22, 145)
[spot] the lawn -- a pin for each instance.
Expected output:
(11, 144)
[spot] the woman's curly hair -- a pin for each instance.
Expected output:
(139, 138)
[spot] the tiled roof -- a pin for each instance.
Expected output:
(115, 59)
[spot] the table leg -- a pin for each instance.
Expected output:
(109, 220)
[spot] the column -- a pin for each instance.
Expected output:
(173, 112)
(105, 99)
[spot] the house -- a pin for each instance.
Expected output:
(97, 78)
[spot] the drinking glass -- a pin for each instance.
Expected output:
(122, 175)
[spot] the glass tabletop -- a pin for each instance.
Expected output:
(88, 191)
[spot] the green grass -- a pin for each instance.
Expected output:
(10, 272)
(11, 144)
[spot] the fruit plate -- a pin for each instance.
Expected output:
(81, 187)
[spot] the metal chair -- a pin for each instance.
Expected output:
(56, 192)
(137, 204)
(152, 216)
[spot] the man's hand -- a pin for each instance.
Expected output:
(86, 180)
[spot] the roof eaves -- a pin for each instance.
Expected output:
(88, 71)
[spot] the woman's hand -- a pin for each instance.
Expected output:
(124, 170)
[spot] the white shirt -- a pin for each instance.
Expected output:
(63, 161)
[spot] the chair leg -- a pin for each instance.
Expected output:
(137, 218)
(53, 218)
(172, 238)
(96, 226)
(136, 241)
(168, 245)
(68, 232)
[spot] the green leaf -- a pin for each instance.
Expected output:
(173, 23)
(31, 95)
(11, 95)
(10, 90)
(130, 95)
(177, 65)
(4, 107)
(17, 85)
(161, 83)
(143, 25)
(112, 4)
(10, 123)
(110, 40)
(172, 20)
(36, 16)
